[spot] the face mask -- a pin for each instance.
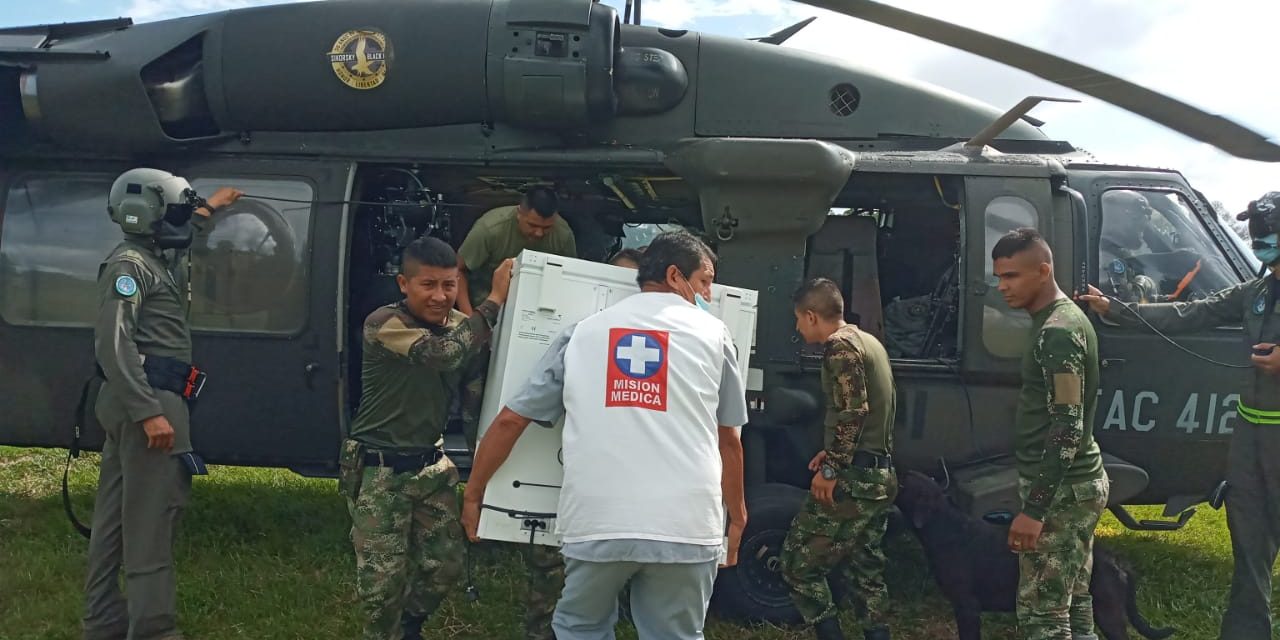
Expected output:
(174, 231)
(1266, 249)
(698, 300)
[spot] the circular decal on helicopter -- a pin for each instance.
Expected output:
(1118, 266)
(360, 58)
(126, 286)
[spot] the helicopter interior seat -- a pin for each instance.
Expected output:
(844, 250)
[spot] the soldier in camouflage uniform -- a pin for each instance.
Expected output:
(840, 528)
(398, 483)
(1253, 463)
(1062, 483)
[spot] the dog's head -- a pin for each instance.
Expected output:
(919, 498)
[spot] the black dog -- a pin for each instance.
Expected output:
(974, 568)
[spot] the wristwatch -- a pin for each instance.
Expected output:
(828, 472)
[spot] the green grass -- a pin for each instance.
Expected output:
(264, 554)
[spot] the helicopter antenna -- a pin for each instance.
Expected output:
(626, 13)
(637, 13)
(782, 35)
(1011, 116)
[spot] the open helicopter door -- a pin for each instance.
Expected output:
(266, 312)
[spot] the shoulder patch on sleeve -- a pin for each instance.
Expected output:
(1067, 388)
(126, 286)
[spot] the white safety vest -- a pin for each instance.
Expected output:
(641, 447)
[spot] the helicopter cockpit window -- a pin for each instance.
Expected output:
(1155, 249)
(54, 234)
(249, 267)
(1004, 330)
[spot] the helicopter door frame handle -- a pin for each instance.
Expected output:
(309, 373)
(1109, 362)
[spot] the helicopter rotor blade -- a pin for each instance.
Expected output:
(1216, 130)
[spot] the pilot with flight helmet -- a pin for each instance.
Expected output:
(1128, 216)
(142, 344)
(1253, 464)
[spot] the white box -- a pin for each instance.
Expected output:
(549, 293)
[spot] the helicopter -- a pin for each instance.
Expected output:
(376, 123)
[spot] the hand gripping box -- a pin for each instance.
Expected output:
(549, 293)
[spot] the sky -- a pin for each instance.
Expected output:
(1213, 55)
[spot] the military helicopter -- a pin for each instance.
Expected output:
(378, 122)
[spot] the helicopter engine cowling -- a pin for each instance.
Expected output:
(330, 66)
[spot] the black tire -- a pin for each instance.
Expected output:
(754, 590)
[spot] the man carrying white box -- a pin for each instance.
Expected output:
(653, 400)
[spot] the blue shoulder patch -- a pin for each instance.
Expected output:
(1118, 266)
(126, 286)
(1260, 305)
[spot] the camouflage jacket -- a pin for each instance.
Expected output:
(1054, 430)
(861, 402)
(412, 371)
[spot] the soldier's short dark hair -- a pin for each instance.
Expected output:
(543, 200)
(429, 252)
(679, 248)
(627, 254)
(821, 296)
(1020, 240)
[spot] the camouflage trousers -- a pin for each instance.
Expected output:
(546, 581)
(842, 543)
(408, 544)
(1053, 582)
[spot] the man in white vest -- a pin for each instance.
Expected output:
(653, 402)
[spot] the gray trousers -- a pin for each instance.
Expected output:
(668, 601)
(1253, 517)
(141, 493)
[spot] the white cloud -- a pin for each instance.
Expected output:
(682, 13)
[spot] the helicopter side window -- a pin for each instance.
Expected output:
(1004, 330)
(53, 235)
(249, 267)
(1155, 249)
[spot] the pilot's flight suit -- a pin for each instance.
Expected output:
(1117, 267)
(1253, 466)
(141, 491)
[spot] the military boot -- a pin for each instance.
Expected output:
(412, 626)
(880, 632)
(828, 629)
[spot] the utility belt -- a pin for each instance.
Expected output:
(172, 374)
(868, 460)
(402, 462)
